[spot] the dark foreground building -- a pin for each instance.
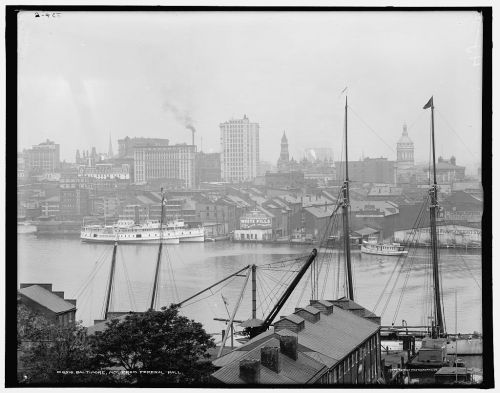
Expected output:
(327, 342)
(41, 299)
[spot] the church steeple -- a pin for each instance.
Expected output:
(110, 148)
(284, 160)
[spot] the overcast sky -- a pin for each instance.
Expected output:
(86, 75)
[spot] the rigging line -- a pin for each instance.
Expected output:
(421, 113)
(325, 281)
(272, 300)
(303, 291)
(296, 259)
(456, 134)
(412, 233)
(337, 283)
(371, 129)
(400, 301)
(212, 294)
(97, 266)
(401, 267)
(404, 259)
(442, 301)
(278, 283)
(172, 278)
(279, 270)
(261, 295)
(127, 280)
(265, 300)
(465, 263)
(90, 281)
(172, 270)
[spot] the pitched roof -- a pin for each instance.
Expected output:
(320, 212)
(303, 370)
(328, 341)
(47, 299)
(366, 231)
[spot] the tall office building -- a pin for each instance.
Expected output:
(239, 150)
(172, 162)
(42, 158)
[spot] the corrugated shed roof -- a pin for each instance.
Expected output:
(228, 358)
(366, 231)
(320, 212)
(337, 334)
(47, 299)
(303, 370)
(290, 199)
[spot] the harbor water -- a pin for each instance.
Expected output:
(81, 270)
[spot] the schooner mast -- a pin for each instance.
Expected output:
(158, 260)
(434, 208)
(110, 281)
(345, 217)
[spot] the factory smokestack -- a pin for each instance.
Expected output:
(193, 130)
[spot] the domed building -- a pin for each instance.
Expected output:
(405, 161)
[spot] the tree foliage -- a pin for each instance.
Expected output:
(53, 354)
(156, 347)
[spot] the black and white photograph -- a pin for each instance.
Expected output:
(249, 197)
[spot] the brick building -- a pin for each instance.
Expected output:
(41, 299)
(174, 162)
(368, 170)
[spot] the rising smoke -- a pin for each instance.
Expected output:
(182, 117)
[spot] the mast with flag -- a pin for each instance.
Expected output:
(438, 330)
(345, 216)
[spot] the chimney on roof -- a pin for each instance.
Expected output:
(324, 307)
(250, 370)
(288, 346)
(270, 358)
(48, 287)
(292, 322)
(309, 313)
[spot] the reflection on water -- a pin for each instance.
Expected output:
(188, 268)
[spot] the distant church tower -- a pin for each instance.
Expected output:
(110, 148)
(405, 159)
(284, 160)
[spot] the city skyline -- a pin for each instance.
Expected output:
(84, 76)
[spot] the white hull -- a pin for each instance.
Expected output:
(129, 241)
(194, 239)
(25, 228)
(375, 251)
(142, 234)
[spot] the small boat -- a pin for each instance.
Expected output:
(25, 227)
(383, 248)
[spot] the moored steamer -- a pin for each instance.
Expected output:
(126, 231)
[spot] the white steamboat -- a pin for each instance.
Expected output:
(127, 231)
(373, 247)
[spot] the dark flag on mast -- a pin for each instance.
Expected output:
(429, 104)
